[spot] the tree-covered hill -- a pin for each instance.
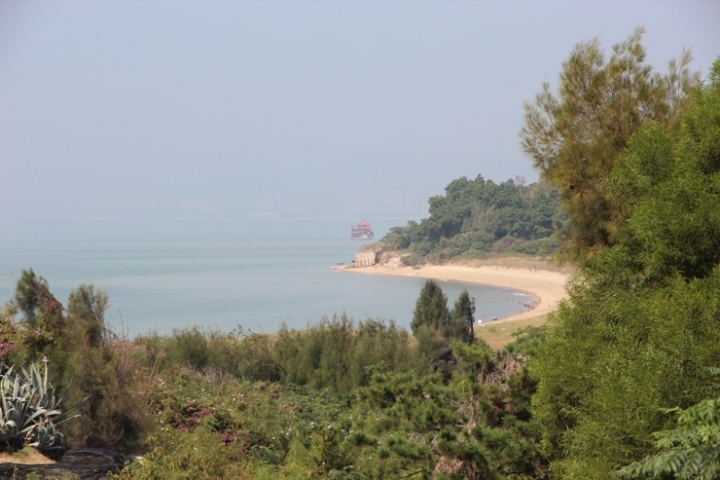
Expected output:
(480, 217)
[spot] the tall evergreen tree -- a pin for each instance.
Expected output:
(431, 308)
(463, 318)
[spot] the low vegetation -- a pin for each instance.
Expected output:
(340, 399)
(497, 335)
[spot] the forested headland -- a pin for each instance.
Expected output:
(478, 218)
(622, 382)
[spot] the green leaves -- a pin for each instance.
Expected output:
(478, 217)
(690, 451)
(431, 308)
(576, 138)
(87, 307)
(28, 407)
(463, 318)
(643, 320)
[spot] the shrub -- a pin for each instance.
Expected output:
(31, 410)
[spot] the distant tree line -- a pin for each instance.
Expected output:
(480, 217)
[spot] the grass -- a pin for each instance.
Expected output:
(499, 334)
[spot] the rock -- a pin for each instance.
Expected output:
(82, 464)
(92, 456)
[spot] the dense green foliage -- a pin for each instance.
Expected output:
(432, 319)
(463, 317)
(338, 354)
(78, 346)
(339, 399)
(431, 309)
(689, 451)
(643, 320)
(576, 138)
(400, 425)
(479, 217)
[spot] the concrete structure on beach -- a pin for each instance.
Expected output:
(365, 259)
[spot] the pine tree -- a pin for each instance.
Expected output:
(86, 311)
(463, 318)
(431, 309)
(576, 138)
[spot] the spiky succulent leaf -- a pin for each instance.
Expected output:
(28, 406)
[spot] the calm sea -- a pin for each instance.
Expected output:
(257, 275)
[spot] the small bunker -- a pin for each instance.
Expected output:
(365, 259)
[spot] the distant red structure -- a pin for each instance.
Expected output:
(362, 231)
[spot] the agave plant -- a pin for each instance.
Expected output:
(29, 408)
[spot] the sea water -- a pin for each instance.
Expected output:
(257, 274)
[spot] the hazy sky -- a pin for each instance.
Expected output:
(129, 110)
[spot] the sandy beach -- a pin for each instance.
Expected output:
(546, 286)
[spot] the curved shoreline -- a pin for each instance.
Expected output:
(547, 287)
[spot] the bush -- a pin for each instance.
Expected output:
(541, 247)
(413, 260)
(31, 410)
(334, 354)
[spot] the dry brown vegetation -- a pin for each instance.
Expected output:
(26, 456)
(530, 263)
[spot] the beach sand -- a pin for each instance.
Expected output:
(547, 287)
